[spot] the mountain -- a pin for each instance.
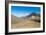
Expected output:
(24, 22)
(30, 15)
(15, 19)
(33, 14)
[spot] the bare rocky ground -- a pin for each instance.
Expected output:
(25, 24)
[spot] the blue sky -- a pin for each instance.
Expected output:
(20, 11)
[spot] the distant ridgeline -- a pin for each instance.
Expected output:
(34, 16)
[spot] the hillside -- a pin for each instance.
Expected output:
(23, 22)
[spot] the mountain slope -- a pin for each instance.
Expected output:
(15, 19)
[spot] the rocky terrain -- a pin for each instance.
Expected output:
(24, 22)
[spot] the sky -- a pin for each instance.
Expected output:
(21, 11)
